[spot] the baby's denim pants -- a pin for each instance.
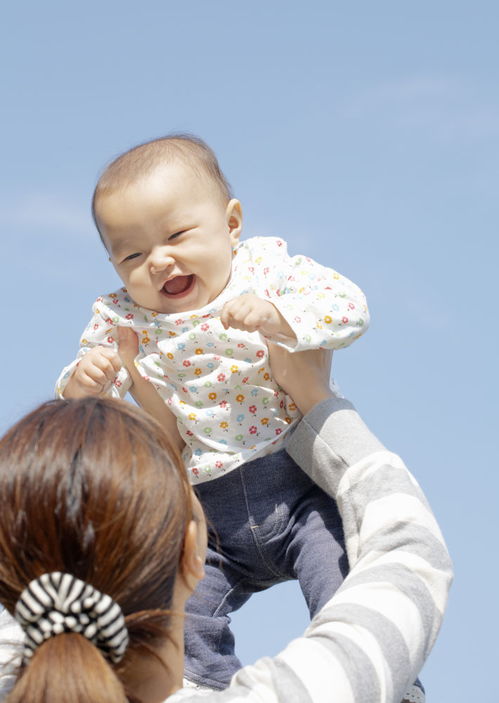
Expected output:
(268, 523)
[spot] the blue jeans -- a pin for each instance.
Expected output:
(268, 523)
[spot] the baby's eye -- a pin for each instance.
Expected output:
(177, 234)
(131, 256)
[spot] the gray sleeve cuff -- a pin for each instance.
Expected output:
(329, 439)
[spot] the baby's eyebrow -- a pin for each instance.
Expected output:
(122, 246)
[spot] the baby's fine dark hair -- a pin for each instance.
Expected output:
(143, 159)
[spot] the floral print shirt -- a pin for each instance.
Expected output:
(217, 382)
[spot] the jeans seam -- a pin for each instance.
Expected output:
(224, 599)
(226, 595)
(253, 532)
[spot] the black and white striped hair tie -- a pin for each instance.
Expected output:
(58, 602)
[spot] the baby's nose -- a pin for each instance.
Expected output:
(160, 260)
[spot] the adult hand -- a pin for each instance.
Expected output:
(128, 347)
(303, 375)
(142, 391)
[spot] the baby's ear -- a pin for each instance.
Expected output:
(234, 218)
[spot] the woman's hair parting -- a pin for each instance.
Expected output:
(95, 504)
(142, 160)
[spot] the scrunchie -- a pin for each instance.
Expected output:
(57, 602)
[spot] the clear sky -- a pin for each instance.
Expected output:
(367, 134)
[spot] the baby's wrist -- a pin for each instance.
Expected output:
(283, 328)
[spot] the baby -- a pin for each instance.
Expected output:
(204, 305)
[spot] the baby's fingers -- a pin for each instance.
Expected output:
(241, 314)
(113, 358)
(94, 373)
(106, 360)
(92, 381)
(99, 365)
(250, 321)
(229, 311)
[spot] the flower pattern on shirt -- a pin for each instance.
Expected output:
(217, 382)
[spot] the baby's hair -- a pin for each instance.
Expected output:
(140, 161)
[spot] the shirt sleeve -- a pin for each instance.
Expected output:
(11, 641)
(100, 331)
(323, 308)
(371, 639)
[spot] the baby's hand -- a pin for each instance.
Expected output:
(250, 313)
(94, 373)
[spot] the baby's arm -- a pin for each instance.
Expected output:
(105, 366)
(250, 313)
(97, 369)
(306, 305)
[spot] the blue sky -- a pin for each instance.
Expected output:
(367, 135)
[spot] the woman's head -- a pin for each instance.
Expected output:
(93, 488)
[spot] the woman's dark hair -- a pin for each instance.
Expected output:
(91, 487)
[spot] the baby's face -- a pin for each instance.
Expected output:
(170, 238)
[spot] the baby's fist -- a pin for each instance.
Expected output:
(250, 313)
(94, 373)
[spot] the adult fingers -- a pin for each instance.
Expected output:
(128, 345)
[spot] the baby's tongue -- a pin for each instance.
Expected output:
(177, 285)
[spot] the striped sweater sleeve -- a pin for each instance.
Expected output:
(369, 642)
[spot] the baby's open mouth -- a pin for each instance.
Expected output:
(178, 285)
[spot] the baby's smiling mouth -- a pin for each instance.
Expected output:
(178, 285)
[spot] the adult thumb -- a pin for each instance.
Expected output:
(128, 345)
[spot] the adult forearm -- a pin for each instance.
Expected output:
(390, 607)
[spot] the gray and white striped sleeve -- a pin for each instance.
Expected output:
(368, 644)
